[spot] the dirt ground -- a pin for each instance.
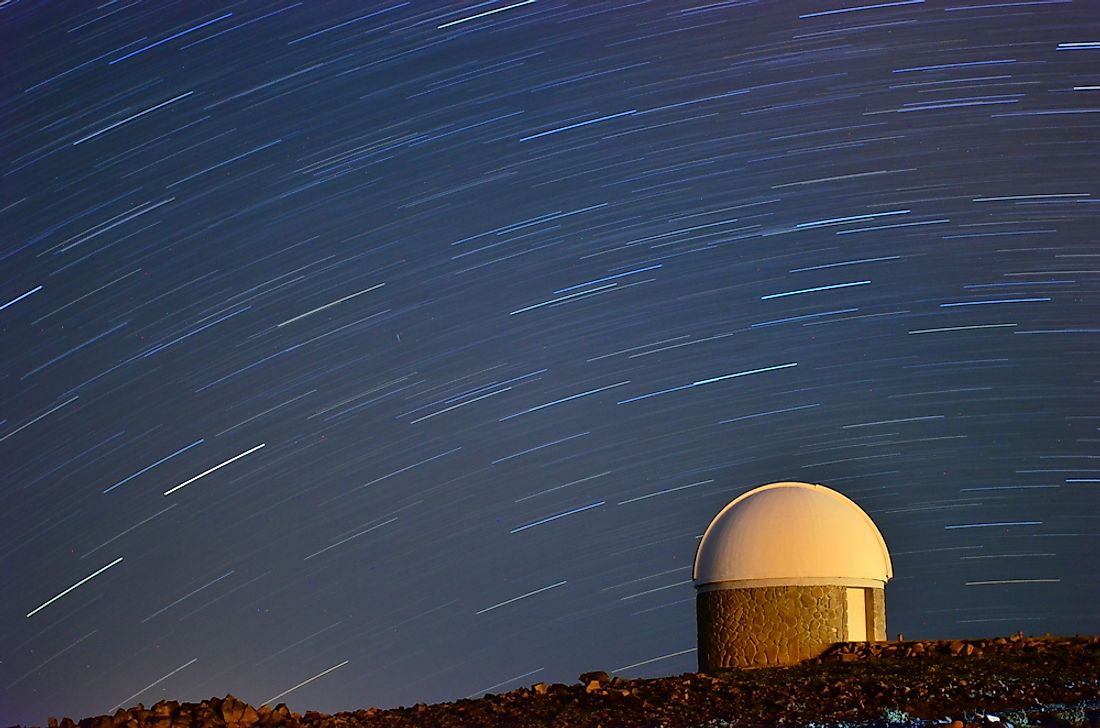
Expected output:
(1019, 679)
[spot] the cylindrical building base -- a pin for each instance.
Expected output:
(782, 625)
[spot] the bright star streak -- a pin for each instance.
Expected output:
(128, 119)
(521, 596)
(565, 399)
(994, 525)
(655, 659)
(330, 305)
(481, 692)
(988, 303)
(345, 540)
(961, 328)
(36, 289)
(153, 684)
(273, 698)
(74, 586)
(861, 7)
(169, 38)
(36, 419)
(812, 290)
(147, 468)
(1013, 581)
(560, 129)
(162, 610)
(556, 517)
(487, 12)
(701, 382)
(211, 470)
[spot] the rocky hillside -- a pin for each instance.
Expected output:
(1015, 679)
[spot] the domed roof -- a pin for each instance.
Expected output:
(792, 533)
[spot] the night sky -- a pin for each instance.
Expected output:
(369, 354)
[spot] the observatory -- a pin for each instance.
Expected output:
(784, 571)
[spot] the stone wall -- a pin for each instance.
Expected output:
(770, 625)
(878, 615)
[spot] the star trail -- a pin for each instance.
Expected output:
(362, 353)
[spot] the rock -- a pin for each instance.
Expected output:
(597, 675)
(51, 722)
(232, 710)
(769, 697)
(238, 714)
(206, 714)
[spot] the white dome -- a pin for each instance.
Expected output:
(792, 533)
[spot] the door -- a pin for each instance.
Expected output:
(857, 615)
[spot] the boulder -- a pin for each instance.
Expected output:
(597, 675)
(238, 714)
(207, 715)
(165, 708)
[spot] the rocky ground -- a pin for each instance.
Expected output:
(1047, 681)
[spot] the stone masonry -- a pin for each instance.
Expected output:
(877, 628)
(774, 625)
